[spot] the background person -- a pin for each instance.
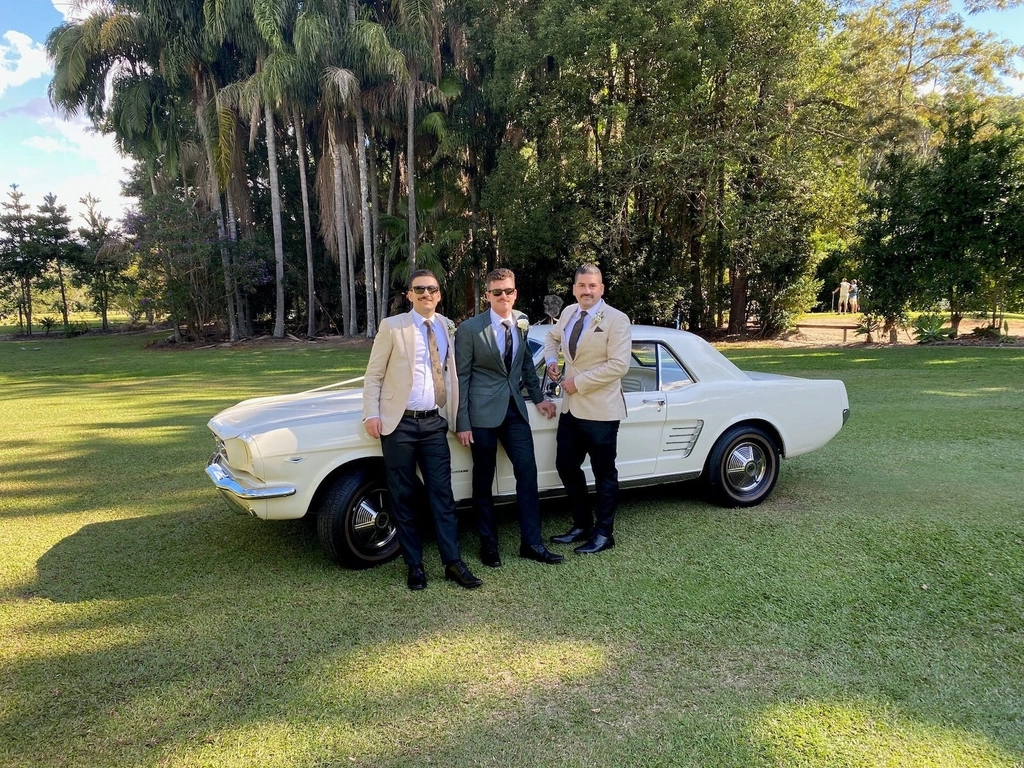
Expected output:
(853, 301)
(844, 295)
(409, 394)
(494, 363)
(595, 341)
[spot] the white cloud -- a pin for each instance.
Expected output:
(22, 60)
(46, 144)
(77, 10)
(89, 163)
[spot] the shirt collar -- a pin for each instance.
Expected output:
(497, 320)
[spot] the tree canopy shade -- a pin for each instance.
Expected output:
(706, 154)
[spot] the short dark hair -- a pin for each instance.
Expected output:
(499, 274)
(422, 273)
(588, 269)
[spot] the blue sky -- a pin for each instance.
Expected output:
(41, 152)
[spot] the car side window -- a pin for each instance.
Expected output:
(672, 373)
(642, 375)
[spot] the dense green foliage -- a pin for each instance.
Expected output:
(710, 156)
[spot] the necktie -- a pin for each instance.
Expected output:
(440, 395)
(508, 345)
(577, 329)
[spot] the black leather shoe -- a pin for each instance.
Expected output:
(489, 556)
(461, 575)
(597, 544)
(539, 553)
(417, 577)
(576, 534)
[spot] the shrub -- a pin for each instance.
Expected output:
(930, 327)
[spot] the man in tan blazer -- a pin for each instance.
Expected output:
(410, 398)
(595, 341)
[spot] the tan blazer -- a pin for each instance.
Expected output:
(602, 359)
(388, 382)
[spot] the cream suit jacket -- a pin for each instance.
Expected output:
(602, 359)
(388, 382)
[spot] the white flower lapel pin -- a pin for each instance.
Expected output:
(523, 323)
(597, 322)
(451, 327)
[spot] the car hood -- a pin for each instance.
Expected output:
(265, 414)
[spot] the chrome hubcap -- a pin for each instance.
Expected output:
(371, 524)
(746, 467)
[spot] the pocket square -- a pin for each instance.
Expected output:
(599, 330)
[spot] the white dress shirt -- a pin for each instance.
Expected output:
(422, 396)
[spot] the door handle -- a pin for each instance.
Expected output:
(654, 401)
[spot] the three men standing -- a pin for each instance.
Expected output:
(410, 396)
(494, 363)
(595, 341)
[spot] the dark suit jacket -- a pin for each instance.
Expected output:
(484, 384)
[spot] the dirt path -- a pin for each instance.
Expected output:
(832, 335)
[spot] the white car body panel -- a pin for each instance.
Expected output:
(276, 452)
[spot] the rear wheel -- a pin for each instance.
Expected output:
(742, 467)
(354, 521)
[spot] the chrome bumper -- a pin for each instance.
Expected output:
(239, 495)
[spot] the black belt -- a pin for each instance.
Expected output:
(420, 414)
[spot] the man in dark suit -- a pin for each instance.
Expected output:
(595, 341)
(408, 403)
(494, 363)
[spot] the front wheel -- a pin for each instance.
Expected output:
(742, 467)
(354, 522)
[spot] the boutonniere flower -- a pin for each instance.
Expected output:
(597, 322)
(523, 323)
(451, 327)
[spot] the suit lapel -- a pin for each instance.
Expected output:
(409, 338)
(491, 340)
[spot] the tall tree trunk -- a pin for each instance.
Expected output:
(410, 163)
(63, 297)
(275, 207)
(350, 242)
(339, 226)
(230, 291)
(378, 252)
(300, 146)
(369, 270)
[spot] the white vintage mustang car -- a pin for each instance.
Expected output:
(692, 414)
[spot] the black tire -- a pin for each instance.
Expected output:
(354, 522)
(742, 467)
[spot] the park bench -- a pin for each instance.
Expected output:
(839, 327)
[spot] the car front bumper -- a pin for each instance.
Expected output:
(244, 495)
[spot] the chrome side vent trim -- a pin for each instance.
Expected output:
(682, 438)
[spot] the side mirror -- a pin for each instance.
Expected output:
(553, 390)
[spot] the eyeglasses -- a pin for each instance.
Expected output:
(498, 291)
(419, 289)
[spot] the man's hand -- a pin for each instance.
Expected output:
(554, 372)
(569, 385)
(373, 428)
(547, 408)
(465, 437)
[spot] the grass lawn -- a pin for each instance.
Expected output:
(871, 613)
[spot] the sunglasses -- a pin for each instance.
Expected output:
(419, 289)
(498, 291)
